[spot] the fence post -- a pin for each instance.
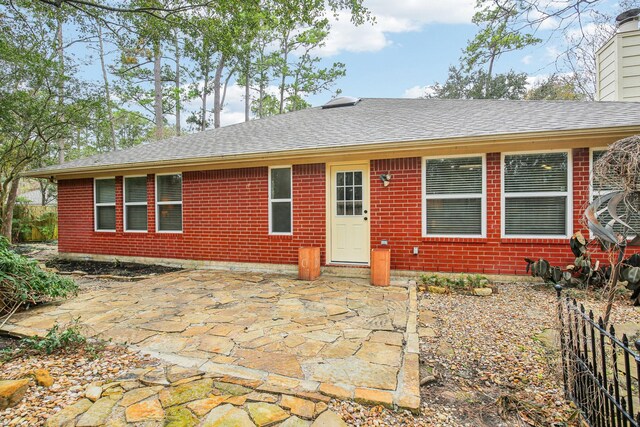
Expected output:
(558, 289)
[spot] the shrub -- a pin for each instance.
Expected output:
(22, 282)
(462, 283)
(57, 338)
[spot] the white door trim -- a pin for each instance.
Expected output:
(328, 208)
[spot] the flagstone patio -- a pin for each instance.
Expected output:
(340, 337)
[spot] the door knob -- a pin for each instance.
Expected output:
(365, 211)
(365, 218)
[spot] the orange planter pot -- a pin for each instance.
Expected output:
(308, 263)
(381, 267)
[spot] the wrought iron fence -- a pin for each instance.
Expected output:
(599, 369)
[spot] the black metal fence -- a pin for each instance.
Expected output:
(600, 371)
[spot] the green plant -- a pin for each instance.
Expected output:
(58, 338)
(46, 224)
(462, 283)
(22, 282)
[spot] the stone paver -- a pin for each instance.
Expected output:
(332, 334)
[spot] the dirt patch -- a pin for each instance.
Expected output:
(96, 268)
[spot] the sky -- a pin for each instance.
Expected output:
(410, 46)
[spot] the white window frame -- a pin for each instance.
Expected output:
(568, 194)
(125, 204)
(96, 205)
(271, 201)
(482, 196)
(158, 203)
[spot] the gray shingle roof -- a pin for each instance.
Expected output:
(373, 120)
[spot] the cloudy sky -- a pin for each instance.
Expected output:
(410, 46)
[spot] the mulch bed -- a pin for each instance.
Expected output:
(124, 269)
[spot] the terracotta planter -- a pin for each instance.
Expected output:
(308, 263)
(381, 267)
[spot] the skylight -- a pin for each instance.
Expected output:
(343, 101)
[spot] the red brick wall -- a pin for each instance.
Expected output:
(225, 218)
(396, 216)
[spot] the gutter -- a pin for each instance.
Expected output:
(396, 148)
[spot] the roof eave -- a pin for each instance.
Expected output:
(398, 147)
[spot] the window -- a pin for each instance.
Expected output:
(135, 203)
(169, 203)
(280, 201)
(537, 194)
(598, 188)
(349, 193)
(453, 194)
(105, 204)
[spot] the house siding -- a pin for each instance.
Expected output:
(225, 218)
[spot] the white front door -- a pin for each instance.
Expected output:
(350, 213)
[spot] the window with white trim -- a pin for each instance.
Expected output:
(453, 194)
(280, 201)
(169, 203)
(536, 194)
(105, 204)
(599, 188)
(135, 203)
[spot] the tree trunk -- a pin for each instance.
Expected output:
(60, 52)
(107, 94)
(247, 93)
(7, 214)
(157, 86)
(43, 191)
(178, 104)
(487, 84)
(217, 88)
(225, 86)
(205, 89)
(283, 77)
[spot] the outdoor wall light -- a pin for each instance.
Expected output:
(385, 178)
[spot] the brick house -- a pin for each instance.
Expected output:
(447, 185)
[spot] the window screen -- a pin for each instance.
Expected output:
(105, 206)
(454, 196)
(536, 197)
(280, 200)
(169, 202)
(135, 203)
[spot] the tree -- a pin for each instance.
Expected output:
(300, 28)
(495, 37)
(583, 25)
(141, 73)
(555, 87)
(211, 45)
(32, 120)
(478, 85)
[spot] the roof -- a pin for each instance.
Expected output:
(370, 121)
